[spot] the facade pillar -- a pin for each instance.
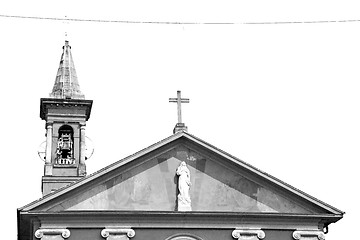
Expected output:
(82, 144)
(248, 234)
(117, 233)
(82, 166)
(48, 164)
(52, 234)
(49, 128)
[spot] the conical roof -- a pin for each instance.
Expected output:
(66, 83)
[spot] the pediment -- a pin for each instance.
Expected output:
(147, 181)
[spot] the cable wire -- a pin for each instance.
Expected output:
(178, 23)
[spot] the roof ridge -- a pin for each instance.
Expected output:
(175, 136)
(203, 143)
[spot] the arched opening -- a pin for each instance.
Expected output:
(184, 236)
(65, 146)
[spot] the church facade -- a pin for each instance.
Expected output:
(180, 188)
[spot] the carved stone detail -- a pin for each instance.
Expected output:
(42, 233)
(183, 236)
(184, 201)
(308, 235)
(243, 234)
(117, 233)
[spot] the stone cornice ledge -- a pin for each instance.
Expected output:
(117, 231)
(160, 219)
(308, 234)
(246, 233)
(65, 233)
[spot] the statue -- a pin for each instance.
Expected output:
(184, 201)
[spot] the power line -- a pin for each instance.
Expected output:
(179, 23)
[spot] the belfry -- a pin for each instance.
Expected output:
(65, 113)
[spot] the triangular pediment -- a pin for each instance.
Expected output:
(147, 181)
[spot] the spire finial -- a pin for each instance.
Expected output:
(180, 126)
(66, 23)
(66, 83)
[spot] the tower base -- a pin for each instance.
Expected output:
(50, 184)
(180, 127)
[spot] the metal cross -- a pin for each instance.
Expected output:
(179, 100)
(66, 23)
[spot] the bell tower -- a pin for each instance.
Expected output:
(65, 113)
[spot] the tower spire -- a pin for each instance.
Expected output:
(66, 83)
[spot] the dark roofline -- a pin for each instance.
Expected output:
(175, 213)
(270, 177)
(151, 219)
(101, 171)
(165, 141)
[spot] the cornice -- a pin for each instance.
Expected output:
(58, 102)
(182, 220)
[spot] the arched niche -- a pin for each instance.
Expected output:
(184, 236)
(65, 145)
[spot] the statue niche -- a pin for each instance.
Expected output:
(65, 146)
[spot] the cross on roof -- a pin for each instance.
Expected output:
(179, 100)
(66, 23)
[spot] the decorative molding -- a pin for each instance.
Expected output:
(308, 234)
(183, 236)
(248, 233)
(65, 233)
(108, 232)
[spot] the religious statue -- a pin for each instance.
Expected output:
(184, 201)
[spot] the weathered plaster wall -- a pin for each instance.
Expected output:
(152, 186)
(163, 234)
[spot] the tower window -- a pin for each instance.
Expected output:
(65, 146)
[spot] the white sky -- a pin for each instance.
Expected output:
(282, 97)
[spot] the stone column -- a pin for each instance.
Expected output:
(117, 233)
(82, 167)
(48, 165)
(248, 234)
(52, 234)
(49, 128)
(82, 144)
(308, 235)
